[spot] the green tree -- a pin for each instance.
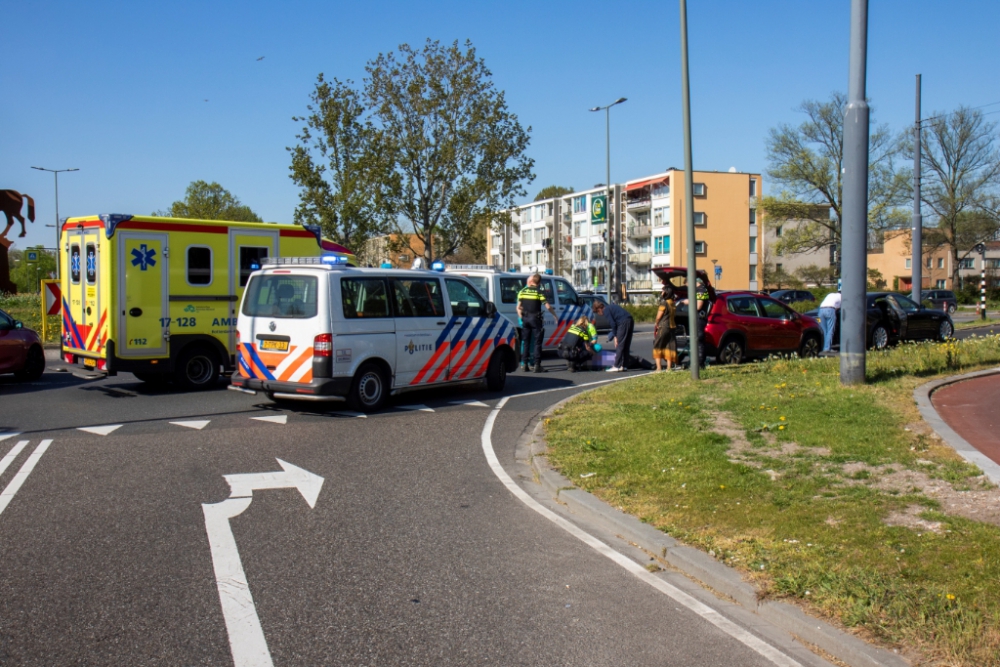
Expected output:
(457, 153)
(27, 275)
(340, 163)
(807, 162)
(210, 201)
(552, 191)
(960, 178)
(815, 274)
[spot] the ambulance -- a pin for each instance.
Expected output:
(157, 297)
(311, 329)
(502, 289)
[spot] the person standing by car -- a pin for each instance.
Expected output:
(577, 345)
(828, 318)
(622, 325)
(664, 331)
(530, 301)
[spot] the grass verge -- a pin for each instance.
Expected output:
(27, 308)
(821, 494)
(975, 324)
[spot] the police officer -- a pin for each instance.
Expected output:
(577, 345)
(530, 301)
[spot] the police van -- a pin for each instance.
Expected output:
(315, 330)
(157, 296)
(502, 288)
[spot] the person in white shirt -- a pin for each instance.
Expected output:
(828, 318)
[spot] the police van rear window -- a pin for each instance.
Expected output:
(509, 287)
(278, 296)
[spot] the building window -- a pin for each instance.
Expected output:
(539, 257)
(661, 245)
(753, 244)
(928, 262)
(199, 265)
(909, 263)
(579, 253)
(526, 236)
(777, 231)
(661, 216)
(550, 208)
(753, 187)
(753, 272)
(661, 190)
(699, 247)
(753, 216)
(940, 262)
(580, 204)
(940, 284)
(993, 264)
(699, 219)
(539, 212)
(580, 229)
(779, 267)
(403, 258)
(699, 189)
(597, 251)
(967, 263)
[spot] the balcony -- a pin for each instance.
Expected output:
(584, 264)
(515, 247)
(640, 257)
(639, 231)
(633, 285)
(636, 204)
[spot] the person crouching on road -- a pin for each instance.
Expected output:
(530, 301)
(577, 346)
(665, 330)
(828, 318)
(622, 325)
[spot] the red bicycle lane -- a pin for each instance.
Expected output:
(972, 409)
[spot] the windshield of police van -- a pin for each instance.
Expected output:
(281, 296)
(482, 284)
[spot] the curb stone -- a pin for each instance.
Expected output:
(922, 396)
(697, 564)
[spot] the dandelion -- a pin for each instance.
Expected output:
(782, 385)
(950, 596)
(781, 428)
(722, 486)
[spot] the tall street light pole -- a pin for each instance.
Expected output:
(56, 172)
(692, 288)
(607, 189)
(854, 245)
(917, 253)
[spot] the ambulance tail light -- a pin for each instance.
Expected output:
(323, 345)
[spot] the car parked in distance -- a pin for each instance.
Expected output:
(20, 350)
(943, 299)
(893, 318)
(792, 295)
(743, 325)
(601, 322)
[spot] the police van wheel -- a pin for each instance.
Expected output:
(496, 372)
(197, 368)
(368, 390)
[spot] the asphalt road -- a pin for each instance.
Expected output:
(414, 553)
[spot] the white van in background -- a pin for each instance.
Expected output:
(502, 288)
(310, 330)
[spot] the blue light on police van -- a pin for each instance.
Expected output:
(548, 272)
(333, 259)
(437, 265)
(254, 266)
(386, 265)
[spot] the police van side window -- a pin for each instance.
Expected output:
(464, 300)
(251, 259)
(199, 265)
(418, 298)
(292, 297)
(567, 295)
(364, 297)
(547, 290)
(74, 264)
(509, 287)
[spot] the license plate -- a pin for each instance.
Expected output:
(277, 345)
(90, 363)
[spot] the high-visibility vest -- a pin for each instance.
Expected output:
(531, 301)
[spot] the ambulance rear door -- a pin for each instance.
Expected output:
(248, 248)
(143, 302)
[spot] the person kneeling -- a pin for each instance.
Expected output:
(577, 346)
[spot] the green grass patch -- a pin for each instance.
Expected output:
(794, 493)
(975, 324)
(641, 313)
(27, 308)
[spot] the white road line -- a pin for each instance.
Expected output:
(679, 596)
(5, 436)
(22, 475)
(11, 455)
(195, 423)
(278, 419)
(100, 430)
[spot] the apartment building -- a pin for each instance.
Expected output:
(569, 235)
(894, 260)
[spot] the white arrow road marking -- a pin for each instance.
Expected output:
(346, 413)
(478, 404)
(246, 637)
(278, 419)
(421, 407)
(4, 436)
(100, 430)
(196, 424)
(22, 474)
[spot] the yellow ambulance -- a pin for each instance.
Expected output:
(157, 297)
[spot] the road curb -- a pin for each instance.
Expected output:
(695, 563)
(922, 396)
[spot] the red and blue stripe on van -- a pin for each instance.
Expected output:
(467, 352)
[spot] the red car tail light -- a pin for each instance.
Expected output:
(323, 345)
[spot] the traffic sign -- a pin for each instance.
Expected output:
(718, 271)
(53, 296)
(31, 256)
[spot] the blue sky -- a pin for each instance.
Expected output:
(118, 89)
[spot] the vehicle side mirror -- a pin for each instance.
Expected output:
(490, 310)
(18, 324)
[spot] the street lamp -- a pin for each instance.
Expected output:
(607, 187)
(56, 172)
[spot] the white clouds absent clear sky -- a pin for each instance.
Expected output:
(119, 89)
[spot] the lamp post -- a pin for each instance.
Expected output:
(607, 188)
(56, 172)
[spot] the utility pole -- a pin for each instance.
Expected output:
(854, 245)
(917, 253)
(607, 192)
(56, 172)
(692, 286)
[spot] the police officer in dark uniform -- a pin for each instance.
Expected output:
(530, 301)
(577, 345)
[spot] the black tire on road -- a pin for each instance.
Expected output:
(34, 365)
(369, 389)
(197, 368)
(496, 372)
(880, 338)
(945, 331)
(810, 347)
(731, 351)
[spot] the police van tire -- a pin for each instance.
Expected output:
(496, 372)
(369, 389)
(197, 368)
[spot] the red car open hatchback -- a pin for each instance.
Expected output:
(20, 350)
(743, 325)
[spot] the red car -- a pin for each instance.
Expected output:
(20, 350)
(743, 325)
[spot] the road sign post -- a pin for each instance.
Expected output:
(981, 249)
(51, 303)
